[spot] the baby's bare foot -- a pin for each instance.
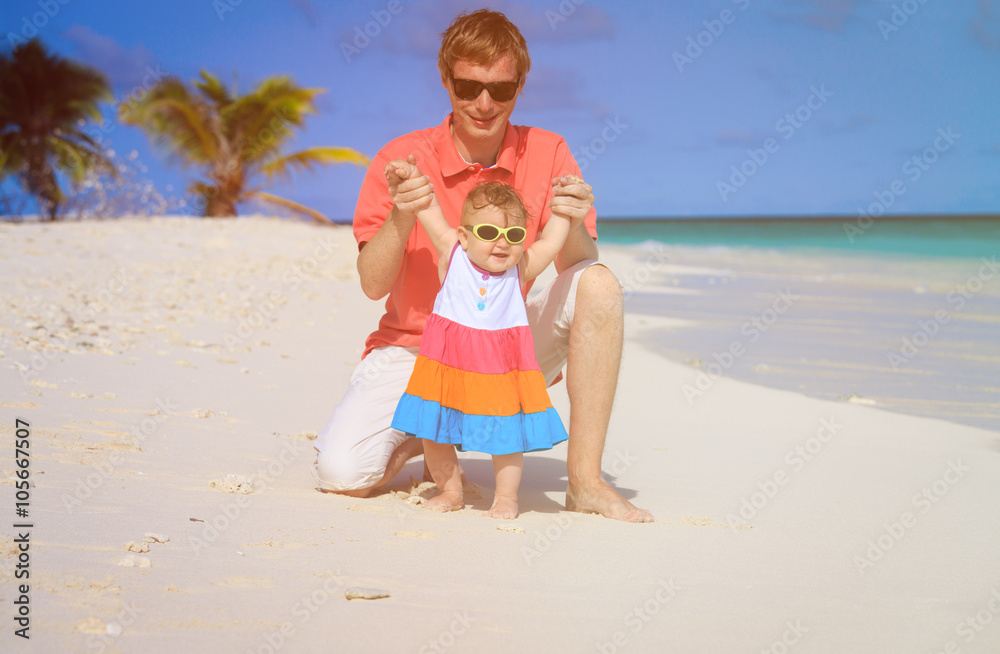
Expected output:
(504, 508)
(446, 501)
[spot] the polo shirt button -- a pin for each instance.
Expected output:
(481, 306)
(471, 168)
(485, 277)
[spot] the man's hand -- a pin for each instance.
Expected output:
(573, 198)
(410, 190)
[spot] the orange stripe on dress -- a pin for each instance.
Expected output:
(476, 393)
(491, 351)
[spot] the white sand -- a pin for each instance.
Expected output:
(164, 354)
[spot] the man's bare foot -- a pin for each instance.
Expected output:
(605, 500)
(504, 508)
(446, 501)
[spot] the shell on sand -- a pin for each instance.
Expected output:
(365, 593)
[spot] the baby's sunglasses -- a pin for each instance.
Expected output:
(490, 233)
(469, 89)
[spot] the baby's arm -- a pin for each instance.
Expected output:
(543, 251)
(443, 236)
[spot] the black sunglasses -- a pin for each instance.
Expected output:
(468, 89)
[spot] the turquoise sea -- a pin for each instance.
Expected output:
(905, 317)
(936, 236)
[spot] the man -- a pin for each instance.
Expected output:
(576, 321)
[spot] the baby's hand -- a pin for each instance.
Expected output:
(410, 190)
(398, 171)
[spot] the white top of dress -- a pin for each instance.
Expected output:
(479, 299)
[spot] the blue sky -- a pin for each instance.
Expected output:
(715, 108)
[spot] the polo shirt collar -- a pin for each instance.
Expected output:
(452, 162)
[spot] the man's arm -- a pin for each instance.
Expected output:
(381, 258)
(574, 199)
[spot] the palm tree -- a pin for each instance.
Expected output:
(233, 138)
(45, 100)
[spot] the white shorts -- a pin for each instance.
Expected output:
(354, 447)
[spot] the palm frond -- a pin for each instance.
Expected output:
(306, 159)
(177, 120)
(290, 204)
(213, 89)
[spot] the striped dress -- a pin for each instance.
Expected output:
(476, 383)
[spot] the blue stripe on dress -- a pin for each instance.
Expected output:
(522, 432)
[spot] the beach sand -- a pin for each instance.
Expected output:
(152, 358)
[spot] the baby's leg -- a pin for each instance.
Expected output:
(442, 462)
(507, 468)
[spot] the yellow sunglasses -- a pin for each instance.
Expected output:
(490, 233)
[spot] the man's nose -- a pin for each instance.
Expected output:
(484, 102)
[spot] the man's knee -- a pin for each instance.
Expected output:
(336, 469)
(598, 285)
(599, 300)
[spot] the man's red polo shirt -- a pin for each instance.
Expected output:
(529, 158)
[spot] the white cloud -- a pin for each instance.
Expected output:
(124, 68)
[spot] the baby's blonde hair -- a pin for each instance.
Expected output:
(499, 195)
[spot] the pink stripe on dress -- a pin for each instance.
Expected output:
(490, 351)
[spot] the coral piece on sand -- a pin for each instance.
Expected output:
(233, 484)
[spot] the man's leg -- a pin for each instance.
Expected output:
(580, 320)
(358, 451)
(592, 366)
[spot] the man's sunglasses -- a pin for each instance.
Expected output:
(468, 89)
(490, 233)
